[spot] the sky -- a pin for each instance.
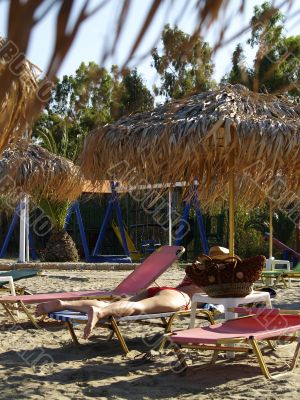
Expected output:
(95, 34)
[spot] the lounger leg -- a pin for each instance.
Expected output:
(43, 317)
(296, 356)
(165, 339)
(72, 333)
(29, 315)
(110, 335)
(169, 323)
(284, 281)
(182, 367)
(260, 358)
(209, 316)
(119, 335)
(214, 356)
(276, 281)
(168, 326)
(263, 365)
(8, 311)
(271, 344)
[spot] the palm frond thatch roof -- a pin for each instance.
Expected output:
(33, 170)
(206, 136)
(18, 98)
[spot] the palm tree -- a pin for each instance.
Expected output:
(60, 246)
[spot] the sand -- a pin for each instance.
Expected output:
(44, 364)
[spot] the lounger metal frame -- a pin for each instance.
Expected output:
(239, 344)
(113, 324)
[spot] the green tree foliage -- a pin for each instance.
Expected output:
(249, 240)
(134, 95)
(275, 68)
(185, 65)
(239, 73)
(80, 103)
(85, 101)
(283, 226)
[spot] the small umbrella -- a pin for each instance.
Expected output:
(33, 170)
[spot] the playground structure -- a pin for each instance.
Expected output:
(131, 253)
(26, 242)
(121, 230)
(183, 225)
(134, 253)
(96, 256)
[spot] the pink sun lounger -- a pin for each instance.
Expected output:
(238, 334)
(145, 274)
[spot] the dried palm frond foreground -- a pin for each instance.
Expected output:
(33, 170)
(23, 16)
(18, 99)
(208, 136)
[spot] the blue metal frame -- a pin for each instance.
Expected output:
(75, 207)
(11, 228)
(195, 202)
(112, 205)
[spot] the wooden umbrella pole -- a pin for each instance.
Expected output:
(231, 207)
(170, 215)
(271, 231)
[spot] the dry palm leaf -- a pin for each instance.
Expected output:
(23, 16)
(17, 100)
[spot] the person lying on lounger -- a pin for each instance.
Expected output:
(149, 301)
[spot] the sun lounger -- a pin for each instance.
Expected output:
(281, 275)
(145, 274)
(293, 273)
(240, 335)
(164, 320)
(277, 275)
(17, 275)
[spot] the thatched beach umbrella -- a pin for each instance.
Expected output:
(35, 171)
(52, 182)
(212, 136)
(19, 97)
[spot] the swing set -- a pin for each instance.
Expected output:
(148, 244)
(180, 233)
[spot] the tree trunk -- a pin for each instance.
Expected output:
(60, 247)
(297, 236)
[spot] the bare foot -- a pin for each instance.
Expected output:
(93, 317)
(45, 308)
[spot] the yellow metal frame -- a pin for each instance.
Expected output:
(239, 344)
(231, 205)
(271, 231)
(252, 344)
(9, 307)
(113, 325)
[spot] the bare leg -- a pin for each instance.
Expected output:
(59, 305)
(164, 301)
(120, 308)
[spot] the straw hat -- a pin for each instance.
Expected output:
(218, 252)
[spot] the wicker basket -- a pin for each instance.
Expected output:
(231, 277)
(238, 289)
